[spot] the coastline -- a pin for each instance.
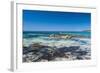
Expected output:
(55, 48)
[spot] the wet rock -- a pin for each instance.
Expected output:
(67, 55)
(87, 57)
(79, 58)
(61, 36)
(27, 50)
(27, 57)
(37, 46)
(80, 53)
(68, 49)
(37, 52)
(58, 53)
(37, 57)
(47, 53)
(31, 57)
(61, 52)
(44, 60)
(33, 48)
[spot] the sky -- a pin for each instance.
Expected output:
(35, 20)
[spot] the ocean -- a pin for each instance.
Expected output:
(30, 34)
(30, 37)
(42, 38)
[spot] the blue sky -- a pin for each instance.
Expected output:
(55, 21)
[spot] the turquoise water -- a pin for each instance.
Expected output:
(30, 37)
(31, 34)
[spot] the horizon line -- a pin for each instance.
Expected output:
(56, 31)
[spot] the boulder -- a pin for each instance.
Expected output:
(47, 53)
(33, 48)
(61, 36)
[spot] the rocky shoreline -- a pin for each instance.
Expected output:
(64, 36)
(38, 52)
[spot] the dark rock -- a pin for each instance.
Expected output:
(36, 52)
(47, 53)
(37, 46)
(37, 57)
(60, 52)
(33, 48)
(79, 53)
(26, 50)
(32, 57)
(73, 48)
(68, 49)
(79, 58)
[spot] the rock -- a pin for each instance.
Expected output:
(44, 60)
(68, 49)
(37, 57)
(87, 57)
(47, 53)
(80, 53)
(31, 57)
(37, 52)
(67, 55)
(63, 52)
(57, 59)
(24, 58)
(58, 53)
(27, 50)
(64, 36)
(79, 58)
(33, 48)
(61, 36)
(73, 48)
(37, 46)
(27, 57)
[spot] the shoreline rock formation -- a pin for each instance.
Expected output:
(64, 36)
(37, 53)
(61, 36)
